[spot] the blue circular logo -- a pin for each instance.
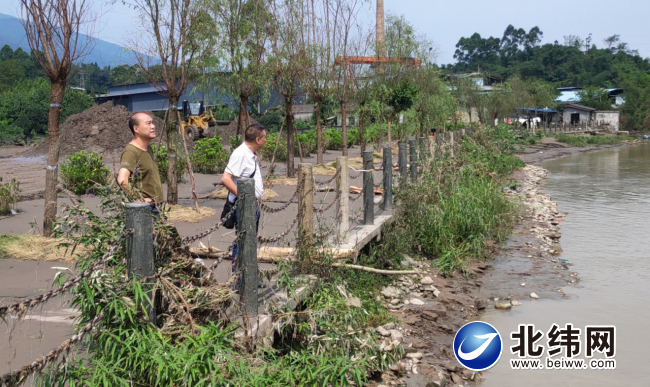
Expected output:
(478, 346)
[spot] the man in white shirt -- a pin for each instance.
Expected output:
(243, 163)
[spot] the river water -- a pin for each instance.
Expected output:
(606, 237)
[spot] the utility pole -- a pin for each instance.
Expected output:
(587, 42)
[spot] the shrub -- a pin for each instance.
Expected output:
(83, 172)
(209, 156)
(163, 159)
(8, 196)
(333, 138)
(271, 121)
(267, 151)
(354, 138)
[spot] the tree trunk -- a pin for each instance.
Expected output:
(243, 116)
(390, 120)
(319, 134)
(57, 90)
(172, 172)
(189, 168)
(289, 120)
(344, 129)
(299, 147)
(362, 138)
(275, 151)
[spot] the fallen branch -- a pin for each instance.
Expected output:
(373, 270)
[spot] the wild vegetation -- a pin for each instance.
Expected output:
(84, 173)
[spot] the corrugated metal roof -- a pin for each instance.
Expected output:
(580, 107)
(537, 110)
(568, 96)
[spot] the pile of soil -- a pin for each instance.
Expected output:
(226, 131)
(101, 128)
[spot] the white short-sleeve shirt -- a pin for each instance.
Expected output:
(242, 163)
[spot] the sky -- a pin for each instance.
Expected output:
(445, 22)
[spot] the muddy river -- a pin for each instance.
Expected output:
(606, 238)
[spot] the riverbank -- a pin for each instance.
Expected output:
(530, 267)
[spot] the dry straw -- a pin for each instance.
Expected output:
(221, 193)
(39, 248)
(176, 213)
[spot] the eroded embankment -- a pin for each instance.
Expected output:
(432, 308)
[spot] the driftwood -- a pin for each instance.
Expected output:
(357, 190)
(373, 270)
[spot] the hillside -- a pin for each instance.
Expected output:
(104, 53)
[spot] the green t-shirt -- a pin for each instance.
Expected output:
(148, 180)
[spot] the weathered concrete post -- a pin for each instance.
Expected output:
(413, 152)
(368, 189)
(247, 246)
(387, 163)
(343, 190)
(432, 147)
(452, 143)
(139, 248)
(402, 163)
(423, 147)
(306, 201)
(469, 132)
(438, 153)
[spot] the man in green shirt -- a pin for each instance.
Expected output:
(138, 152)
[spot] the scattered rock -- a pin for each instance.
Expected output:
(396, 335)
(438, 379)
(415, 355)
(456, 378)
(515, 303)
(480, 304)
(426, 281)
(533, 295)
(415, 301)
(504, 304)
(390, 292)
(383, 331)
(353, 301)
(389, 325)
(395, 301)
(407, 261)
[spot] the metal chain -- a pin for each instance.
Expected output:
(223, 256)
(336, 198)
(17, 377)
(329, 180)
(358, 196)
(274, 239)
(22, 307)
(190, 239)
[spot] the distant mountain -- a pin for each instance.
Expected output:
(104, 53)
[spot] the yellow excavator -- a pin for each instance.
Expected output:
(198, 122)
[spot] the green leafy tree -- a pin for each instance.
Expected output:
(595, 97)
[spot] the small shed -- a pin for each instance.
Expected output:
(302, 112)
(608, 119)
(575, 114)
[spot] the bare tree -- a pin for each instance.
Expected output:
(245, 27)
(58, 33)
(319, 75)
(171, 29)
(289, 62)
(348, 39)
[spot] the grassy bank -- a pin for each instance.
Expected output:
(583, 141)
(458, 208)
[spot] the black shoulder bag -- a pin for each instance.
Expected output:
(227, 217)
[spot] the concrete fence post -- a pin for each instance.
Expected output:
(438, 153)
(306, 201)
(368, 189)
(422, 147)
(139, 249)
(413, 152)
(452, 143)
(403, 169)
(247, 246)
(343, 190)
(387, 163)
(432, 147)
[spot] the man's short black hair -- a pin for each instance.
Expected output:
(134, 121)
(254, 132)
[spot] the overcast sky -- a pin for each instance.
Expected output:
(445, 22)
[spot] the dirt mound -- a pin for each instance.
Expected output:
(226, 131)
(101, 128)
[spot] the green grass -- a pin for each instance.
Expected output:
(5, 239)
(456, 209)
(583, 141)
